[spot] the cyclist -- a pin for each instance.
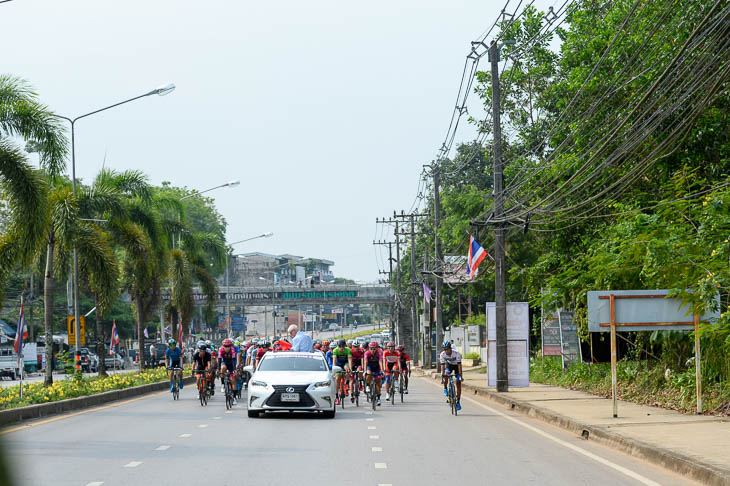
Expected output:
(374, 362)
(405, 366)
(201, 362)
(391, 357)
(450, 360)
(356, 355)
(263, 350)
(341, 357)
(228, 358)
(327, 352)
(173, 359)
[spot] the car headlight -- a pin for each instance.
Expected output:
(262, 384)
(323, 384)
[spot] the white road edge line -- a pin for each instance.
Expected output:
(133, 464)
(383, 484)
(202, 426)
(628, 472)
(95, 483)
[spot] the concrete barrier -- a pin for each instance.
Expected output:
(20, 414)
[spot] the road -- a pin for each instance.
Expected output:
(153, 440)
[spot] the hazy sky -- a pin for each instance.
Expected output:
(325, 110)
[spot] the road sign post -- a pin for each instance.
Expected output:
(71, 328)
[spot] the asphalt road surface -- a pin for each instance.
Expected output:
(153, 440)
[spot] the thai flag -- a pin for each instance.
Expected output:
(180, 335)
(426, 292)
(21, 332)
(115, 338)
(475, 257)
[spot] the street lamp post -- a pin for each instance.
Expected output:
(228, 288)
(161, 91)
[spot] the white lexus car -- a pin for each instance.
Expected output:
(291, 381)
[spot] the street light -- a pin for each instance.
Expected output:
(227, 184)
(228, 289)
(161, 91)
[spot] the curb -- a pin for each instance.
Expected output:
(20, 414)
(679, 463)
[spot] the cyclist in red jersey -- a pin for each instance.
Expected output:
(229, 360)
(405, 365)
(391, 357)
(262, 351)
(374, 362)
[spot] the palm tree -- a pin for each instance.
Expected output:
(31, 221)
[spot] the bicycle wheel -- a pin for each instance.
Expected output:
(374, 394)
(342, 392)
(452, 397)
(175, 390)
(201, 394)
(229, 394)
(392, 391)
(401, 387)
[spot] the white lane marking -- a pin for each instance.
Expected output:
(202, 426)
(381, 465)
(368, 413)
(217, 418)
(163, 448)
(370, 420)
(375, 437)
(384, 484)
(372, 427)
(133, 464)
(228, 411)
(377, 449)
(95, 483)
(628, 472)
(185, 435)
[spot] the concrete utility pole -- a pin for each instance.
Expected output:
(500, 292)
(395, 337)
(389, 244)
(437, 254)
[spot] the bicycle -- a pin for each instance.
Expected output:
(401, 386)
(391, 391)
(239, 381)
(452, 400)
(229, 390)
(175, 381)
(202, 388)
(373, 397)
(356, 389)
(340, 393)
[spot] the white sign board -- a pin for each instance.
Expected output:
(518, 342)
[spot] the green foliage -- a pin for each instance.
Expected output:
(472, 355)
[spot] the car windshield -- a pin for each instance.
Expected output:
(289, 362)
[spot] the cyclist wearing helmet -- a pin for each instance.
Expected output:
(327, 352)
(374, 363)
(356, 355)
(405, 365)
(341, 357)
(173, 359)
(201, 362)
(450, 360)
(392, 367)
(263, 350)
(228, 358)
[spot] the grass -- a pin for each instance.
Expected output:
(636, 382)
(35, 393)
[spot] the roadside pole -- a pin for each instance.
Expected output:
(437, 256)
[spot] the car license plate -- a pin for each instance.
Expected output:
(290, 397)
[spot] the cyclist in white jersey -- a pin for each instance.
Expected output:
(450, 360)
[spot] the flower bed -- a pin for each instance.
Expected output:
(34, 393)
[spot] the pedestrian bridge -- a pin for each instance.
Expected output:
(294, 295)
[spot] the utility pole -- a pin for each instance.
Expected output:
(500, 292)
(395, 337)
(437, 253)
(389, 244)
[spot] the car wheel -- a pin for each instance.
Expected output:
(330, 413)
(253, 414)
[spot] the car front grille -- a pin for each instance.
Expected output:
(305, 400)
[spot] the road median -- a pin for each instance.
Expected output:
(685, 444)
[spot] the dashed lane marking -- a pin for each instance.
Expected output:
(377, 449)
(375, 437)
(370, 420)
(381, 465)
(372, 427)
(133, 464)
(628, 472)
(163, 448)
(202, 426)
(185, 435)
(95, 483)
(217, 418)
(383, 484)
(228, 411)
(95, 409)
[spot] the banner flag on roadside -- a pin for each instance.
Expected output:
(426, 292)
(475, 257)
(180, 335)
(21, 332)
(115, 338)
(146, 334)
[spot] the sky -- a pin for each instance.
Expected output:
(325, 111)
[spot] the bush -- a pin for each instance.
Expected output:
(472, 355)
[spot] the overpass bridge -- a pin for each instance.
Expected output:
(295, 295)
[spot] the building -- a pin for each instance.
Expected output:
(263, 269)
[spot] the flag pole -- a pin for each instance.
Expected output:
(21, 327)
